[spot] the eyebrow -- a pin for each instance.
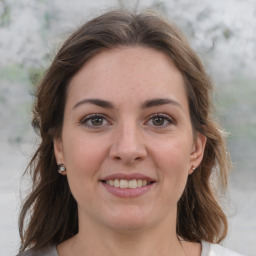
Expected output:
(147, 104)
(97, 102)
(159, 102)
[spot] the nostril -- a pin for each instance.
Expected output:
(127, 154)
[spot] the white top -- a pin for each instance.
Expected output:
(208, 249)
(216, 250)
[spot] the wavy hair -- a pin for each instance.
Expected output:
(49, 213)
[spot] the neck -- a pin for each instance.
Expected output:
(160, 239)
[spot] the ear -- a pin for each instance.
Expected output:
(58, 150)
(197, 152)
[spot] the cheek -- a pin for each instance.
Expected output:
(173, 164)
(173, 156)
(81, 152)
(83, 159)
(83, 163)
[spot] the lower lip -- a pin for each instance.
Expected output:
(128, 192)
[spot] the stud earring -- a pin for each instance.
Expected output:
(61, 168)
(193, 168)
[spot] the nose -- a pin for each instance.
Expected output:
(128, 146)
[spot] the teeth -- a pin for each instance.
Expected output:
(133, 184)
(127, 183)
(139, 183)
(116, 183)
(124, 184)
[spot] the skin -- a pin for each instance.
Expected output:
(128, 137)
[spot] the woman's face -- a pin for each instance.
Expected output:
(127, 140)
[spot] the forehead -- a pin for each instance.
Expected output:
(128, 71)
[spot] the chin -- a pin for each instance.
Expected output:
(130, 220)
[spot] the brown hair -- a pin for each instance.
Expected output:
(50, 208)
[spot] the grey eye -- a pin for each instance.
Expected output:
(94, 121)
(158, 121)
(97, 121)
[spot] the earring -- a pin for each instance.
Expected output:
(61, 168)
(193, 168)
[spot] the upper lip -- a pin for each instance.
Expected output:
(124, 176)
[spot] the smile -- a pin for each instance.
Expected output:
(122, 183)
(128, 185)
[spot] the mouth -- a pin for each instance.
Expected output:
(125, 183)
(128, 185)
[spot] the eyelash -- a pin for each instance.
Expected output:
(88, 118)
(165, 117)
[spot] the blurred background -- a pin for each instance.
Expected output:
(223, 33)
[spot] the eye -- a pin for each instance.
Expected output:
(160, 120)
(94, 121)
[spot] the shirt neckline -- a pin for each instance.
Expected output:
(205, 249)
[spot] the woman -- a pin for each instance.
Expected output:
(128, 146)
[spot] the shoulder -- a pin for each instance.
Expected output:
(49, 250)
(209, 249)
